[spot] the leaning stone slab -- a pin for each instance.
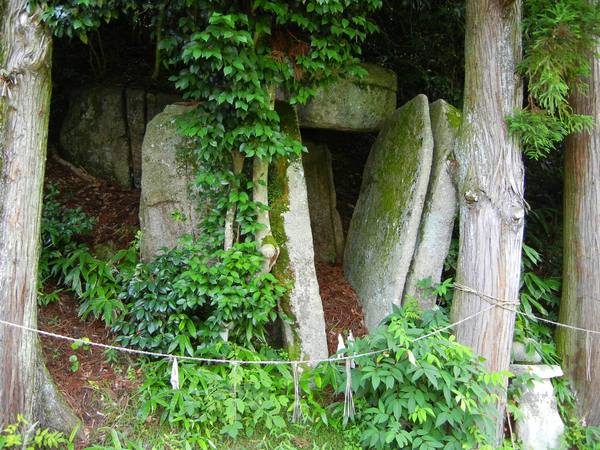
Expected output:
(353, 105)
(539, 426)
(384, 228)
(437, 222)
(167, 210)
(290, 222)
(94, 134)
(328, 235)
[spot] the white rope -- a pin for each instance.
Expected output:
(505, 304)
(229, 361)
(494, 302)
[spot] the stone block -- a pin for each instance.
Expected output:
(354, 105)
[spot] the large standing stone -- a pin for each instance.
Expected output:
(539, 425)
(328, 235)
(290, 222)
(384, 228)
(353, 105)
(94, 133)
(437, 222)
(167, 210)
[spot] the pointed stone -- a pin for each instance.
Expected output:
(328, 235)
(167, 210)
(437, 222)
(384, 227)
(290, 223)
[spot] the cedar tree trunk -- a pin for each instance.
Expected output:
(490, 180)
(25, 54)
(580, 303)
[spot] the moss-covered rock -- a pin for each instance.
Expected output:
(437, 222)
(290, 224)
(328, 235)
(167, 208)
(353, 105)
(384, 228)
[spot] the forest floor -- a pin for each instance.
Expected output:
(96, 382)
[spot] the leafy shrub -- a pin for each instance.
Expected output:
(188, 297)
(233, 401)
(427, 393)
(95, 281)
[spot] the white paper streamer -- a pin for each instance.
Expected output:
(175, 374)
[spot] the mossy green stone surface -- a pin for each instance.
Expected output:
(290, 224)
(384, 228)
(358, 105)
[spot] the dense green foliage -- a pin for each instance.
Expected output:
(220, 399)
(421, 392)
(186, 298)
(559, 37)
(423, 42)
(69, 262)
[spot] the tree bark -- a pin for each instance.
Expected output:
(25, 385)
(260, 194)
(580, 303)
(238, 159)
(490, 180)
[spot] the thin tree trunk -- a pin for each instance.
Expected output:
(25, 385)
(260, 194)
(490, 180)
(580, 303)
(238, 165)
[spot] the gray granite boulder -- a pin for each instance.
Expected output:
(305, 335)
(437, 222)
(104, 129)
(94, 134)
(328, 235)
(168, 210)
(539, 425)
(353, 105)
(385, 224)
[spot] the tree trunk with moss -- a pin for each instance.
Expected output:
(580, 303)
(490, 180)
(25, 53)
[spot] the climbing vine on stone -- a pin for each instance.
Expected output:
(231, 61)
